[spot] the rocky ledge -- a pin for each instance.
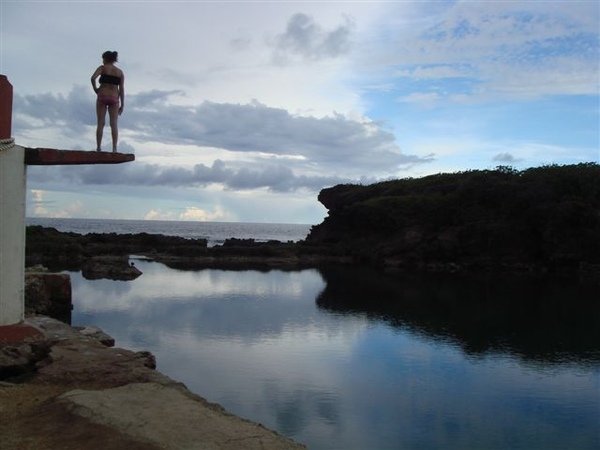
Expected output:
(65, 388)
(106, 255)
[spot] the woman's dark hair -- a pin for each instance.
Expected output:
(110, 56)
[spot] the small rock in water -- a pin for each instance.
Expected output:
(109, 267)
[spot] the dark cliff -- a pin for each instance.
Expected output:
(540, 218)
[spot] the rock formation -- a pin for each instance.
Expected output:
(109, 267)
(48, 294)
(544, 218)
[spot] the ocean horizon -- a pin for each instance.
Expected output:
(214, 232)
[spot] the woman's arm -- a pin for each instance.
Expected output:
(95, 75)
(122, 92)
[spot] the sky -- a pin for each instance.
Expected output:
(244, 111)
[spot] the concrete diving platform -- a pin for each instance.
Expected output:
(55, 157)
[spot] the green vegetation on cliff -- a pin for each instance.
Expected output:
(544, 217)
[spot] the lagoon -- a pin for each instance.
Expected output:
(351, 358)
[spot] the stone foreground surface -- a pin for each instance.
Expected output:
(169, 417)
(83, 394)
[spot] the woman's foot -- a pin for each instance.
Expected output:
(98, 150)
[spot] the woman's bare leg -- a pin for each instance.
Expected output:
(113, 113)
(101, 114)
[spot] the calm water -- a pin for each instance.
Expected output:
(214, 232)
(353, 359)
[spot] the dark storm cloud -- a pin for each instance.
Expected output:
(72, 112)
(303, 37)
(152, 98)
(276, 178)
(333, 144)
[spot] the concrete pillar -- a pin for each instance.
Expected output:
(12, 216)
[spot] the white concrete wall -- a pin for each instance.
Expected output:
(12, 234)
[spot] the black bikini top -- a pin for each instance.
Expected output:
(110, 79)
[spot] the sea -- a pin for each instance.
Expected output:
(214, 232)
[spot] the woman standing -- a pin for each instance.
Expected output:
(110, 93)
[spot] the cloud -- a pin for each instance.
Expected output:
(40, 207)
(157, 214)
(73, 113)
(152, 98)
(425, 99)
(38, 203)
(275, 177)
(191, 213)
(201, 215)
(304, 38)
(505, 49)
(272, 148)
(126, 147)
(505, 158)
(330, 144)
(240, 43)
(435, 72)
(37, 195)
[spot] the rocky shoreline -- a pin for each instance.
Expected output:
(67, 388)
(537, 221)
(107, 256)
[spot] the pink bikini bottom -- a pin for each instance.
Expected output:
(108, 100)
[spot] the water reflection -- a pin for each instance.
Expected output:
(352, 359)
(213, 304)
(541, 319)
